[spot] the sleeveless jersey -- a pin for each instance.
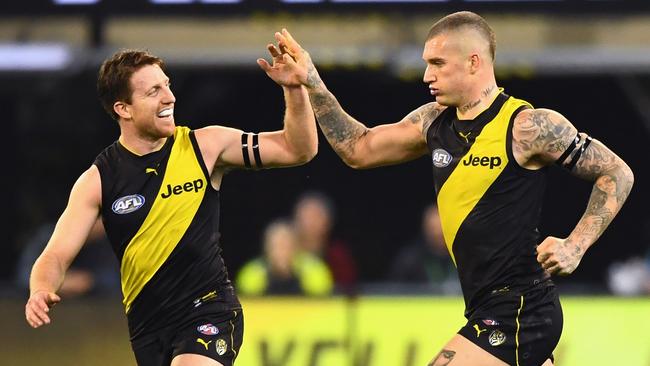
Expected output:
(161, 216)
(489, 205)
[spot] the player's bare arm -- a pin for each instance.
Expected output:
(358, 145)
(296, 144)
(542, 137)
(69, 236)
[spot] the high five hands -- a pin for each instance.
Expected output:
(292, 65)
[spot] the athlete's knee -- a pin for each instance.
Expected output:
(443, 358)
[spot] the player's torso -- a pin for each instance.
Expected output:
(161, 215)
(489, 206)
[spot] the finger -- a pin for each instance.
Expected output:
(549, 263)
(287, 59)
(282, 40)
(36, 315)
(553, 269)
(273, 50)
(542, 257)
(53, 300)
(34, 320)
(288, 36)
(283, 47)
(264, 64)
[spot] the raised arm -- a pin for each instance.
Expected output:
(69, 236)
(542, 137)
(295, 144)
(359, 146)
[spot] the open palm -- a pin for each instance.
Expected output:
(290, 62)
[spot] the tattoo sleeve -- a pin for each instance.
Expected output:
(543, 136)
(542, 133)
(346, 135)
(613, 181)
(341, 130)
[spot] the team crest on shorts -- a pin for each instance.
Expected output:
(497, 338)
(208, 329)
(441, 158)
(222, 347)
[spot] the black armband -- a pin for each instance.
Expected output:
(569, 150)
(256, 152)
(244, 149)
(575, 150)
(578, 154)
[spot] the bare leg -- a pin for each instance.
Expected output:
(465, 353)
(548, 363)
(191, 359)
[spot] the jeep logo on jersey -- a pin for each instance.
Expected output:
(441, 158)
(491, 161)
(127, 204)
(185, 187)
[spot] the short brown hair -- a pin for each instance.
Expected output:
(465, 19)
(113, 81)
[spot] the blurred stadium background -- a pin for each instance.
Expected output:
(588, 59)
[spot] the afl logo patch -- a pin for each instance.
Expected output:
(441, 158)
(127, 204)
(207, 329)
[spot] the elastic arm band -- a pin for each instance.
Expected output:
(576, 156)
(568, 151)
(256, 152)
(244, 150)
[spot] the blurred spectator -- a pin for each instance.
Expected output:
(94, 271)
(283, 269)
(314, 215)
(426, 259)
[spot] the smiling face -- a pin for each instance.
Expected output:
(151, 109)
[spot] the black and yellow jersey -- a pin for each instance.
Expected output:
(161, 216)
(489, 205)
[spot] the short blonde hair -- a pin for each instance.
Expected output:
(465, 19)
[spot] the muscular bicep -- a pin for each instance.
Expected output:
(540, 137)
(79, 216)
(394, 143)
(233, 148)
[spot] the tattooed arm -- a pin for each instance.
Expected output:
(359, 146)
(540, 137)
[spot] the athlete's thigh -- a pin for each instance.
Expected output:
(189, 359)
(461, 352)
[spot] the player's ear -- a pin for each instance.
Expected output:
(474, 63)
(122, 109)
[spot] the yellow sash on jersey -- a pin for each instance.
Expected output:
(467, 184)
(173, 209)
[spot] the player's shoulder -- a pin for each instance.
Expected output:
(216, 131)
(537, 118)
(432, 109)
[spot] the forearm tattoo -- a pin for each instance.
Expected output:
(341, 130)
(443, 358)
(613, 183)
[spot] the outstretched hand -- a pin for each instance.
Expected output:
(38, 306)
(292, 65)
(559, 256)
